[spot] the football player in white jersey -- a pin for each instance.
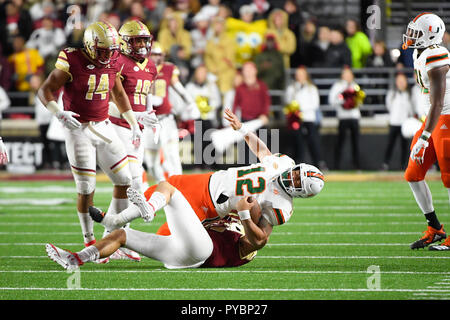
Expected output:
(273, 182)
(431, 142)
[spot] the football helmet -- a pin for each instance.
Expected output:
(157, 48)
(101, 42)
(131, 32)
(302, 180)
(423, 31)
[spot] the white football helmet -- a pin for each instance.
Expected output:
(423, 31)
(311, 181)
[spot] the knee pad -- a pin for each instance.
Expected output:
(85, 187)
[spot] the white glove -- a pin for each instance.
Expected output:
(147, 118)
(136, 136)
(3, 153)
(67, 118)
(418, 150)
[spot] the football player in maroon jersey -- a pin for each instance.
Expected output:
(89, 76)
(223, 243)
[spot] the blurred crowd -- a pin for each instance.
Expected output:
(231, 52)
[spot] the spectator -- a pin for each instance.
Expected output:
(278, 25)
(175, 34)
(27, 62)
(338, 54)
(316, 55)
(6, 72)
(358, 43)
(306, 43)
(211, 9)
(45, 10)
(155, 11)
(253, 101)
(207, 96)
(199, 38)
(247, 33)
(48, 40)
(405, 60)
(228, 97)
(219, 56)
(348, 115)
(380, 56)
(260, 8)
(15, 21)
(295, 20)
(187, 10)
(400, 107)
(270, 64)
(305, 93)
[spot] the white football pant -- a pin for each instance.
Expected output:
(188, 245)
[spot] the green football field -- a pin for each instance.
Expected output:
(350, 242)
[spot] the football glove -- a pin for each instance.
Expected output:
(67, 118)
(136, 136)
(147, 118)
(418, 150)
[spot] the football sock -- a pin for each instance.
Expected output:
(90, 253)
(433, 220)
(117, 205)
(422, 194)
(114, 221)
(87, 227)
(157, 200)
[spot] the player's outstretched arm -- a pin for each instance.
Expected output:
(256, 145)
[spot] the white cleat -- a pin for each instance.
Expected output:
(138, 199)
(125, 254)
(66, 259)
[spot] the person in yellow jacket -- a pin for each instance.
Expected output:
(220, 55)
(172, 32)
(286, 39)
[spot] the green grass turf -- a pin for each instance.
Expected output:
(323, 252)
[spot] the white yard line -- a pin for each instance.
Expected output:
(228, 289)
(230, 271)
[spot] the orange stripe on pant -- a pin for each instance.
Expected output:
(438, 149)
(195, 188)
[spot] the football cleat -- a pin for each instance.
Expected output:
(444, 246)
(66, 259)
(138, 199)
(96, 214)
(431, 235)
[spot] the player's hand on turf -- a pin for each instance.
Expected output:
(67, 118)
(136, 136)
(246, 203)
(418, 151)
(147, 118)
(232, 119)
(3, 153)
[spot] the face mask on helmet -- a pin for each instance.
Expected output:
(139, 47)
(412, 37)
(302, 180)
(106, 55)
